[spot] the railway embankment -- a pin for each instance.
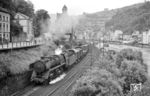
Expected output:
(113, 74)
(14, 67)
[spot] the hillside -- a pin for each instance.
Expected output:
(131, 18)
(94, 23)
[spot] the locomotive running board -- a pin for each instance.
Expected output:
(56, 67)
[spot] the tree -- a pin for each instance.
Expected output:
(40, 20)
(16, 29)
(25, 7)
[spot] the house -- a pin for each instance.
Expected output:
(137, 36)
(4, 24)
(26, 23)
(116, 35)
(146, 37)
(127, 37)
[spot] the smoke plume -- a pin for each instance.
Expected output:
(63, 24)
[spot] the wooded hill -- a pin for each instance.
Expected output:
(131, 18)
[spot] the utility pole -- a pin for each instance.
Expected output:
(91, 53)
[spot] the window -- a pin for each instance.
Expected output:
(7, 18)
(4, 27)
(0, 17)
(0, 35)
(3, 18)
(7, 36)
(0, 27)
(7, 27)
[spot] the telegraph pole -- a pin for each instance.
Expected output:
(91, 53)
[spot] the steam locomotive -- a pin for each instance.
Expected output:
(48, 68)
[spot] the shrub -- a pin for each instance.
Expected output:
(133, 72)
(97, 83)
(129, 54)
(112, 74)
(145, 91)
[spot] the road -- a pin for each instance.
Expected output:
(62, 87)
(145, 51)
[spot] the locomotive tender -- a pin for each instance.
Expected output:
(48, 68)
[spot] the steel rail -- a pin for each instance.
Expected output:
(52, 92)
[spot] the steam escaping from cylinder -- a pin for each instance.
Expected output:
(57, 79)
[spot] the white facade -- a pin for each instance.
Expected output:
(5, 25)
(53, 18)
(26, 23)
(146, 37)
(114, 36)
(127, 37)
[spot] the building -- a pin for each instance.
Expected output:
(26, 23)
(116, 35)
(146, 37)
(4, 24)
(137, 36)
(64, 12)
(53, 18)
(127, 37)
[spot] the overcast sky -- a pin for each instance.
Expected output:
(76, 7)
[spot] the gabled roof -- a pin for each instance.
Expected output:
(25, 17)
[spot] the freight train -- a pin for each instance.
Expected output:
(48, 68)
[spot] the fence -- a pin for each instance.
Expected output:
(13, 45)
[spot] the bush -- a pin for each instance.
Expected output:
(133, 72)
(129, 54)
(112, 74)
(145, 91)
(97, 83)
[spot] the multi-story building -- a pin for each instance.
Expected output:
(26, 23)
(137, 36)
(127, 37)
(4, 24)
(116, 35)
(146, 37)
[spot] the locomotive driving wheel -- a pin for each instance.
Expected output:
(59, 71)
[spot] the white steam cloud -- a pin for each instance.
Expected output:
(63, 24)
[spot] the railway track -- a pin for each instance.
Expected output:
(62, 86)
(65, 88)
(70, 81)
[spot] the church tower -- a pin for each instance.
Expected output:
(64, 9)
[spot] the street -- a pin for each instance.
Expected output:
(145, 51)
